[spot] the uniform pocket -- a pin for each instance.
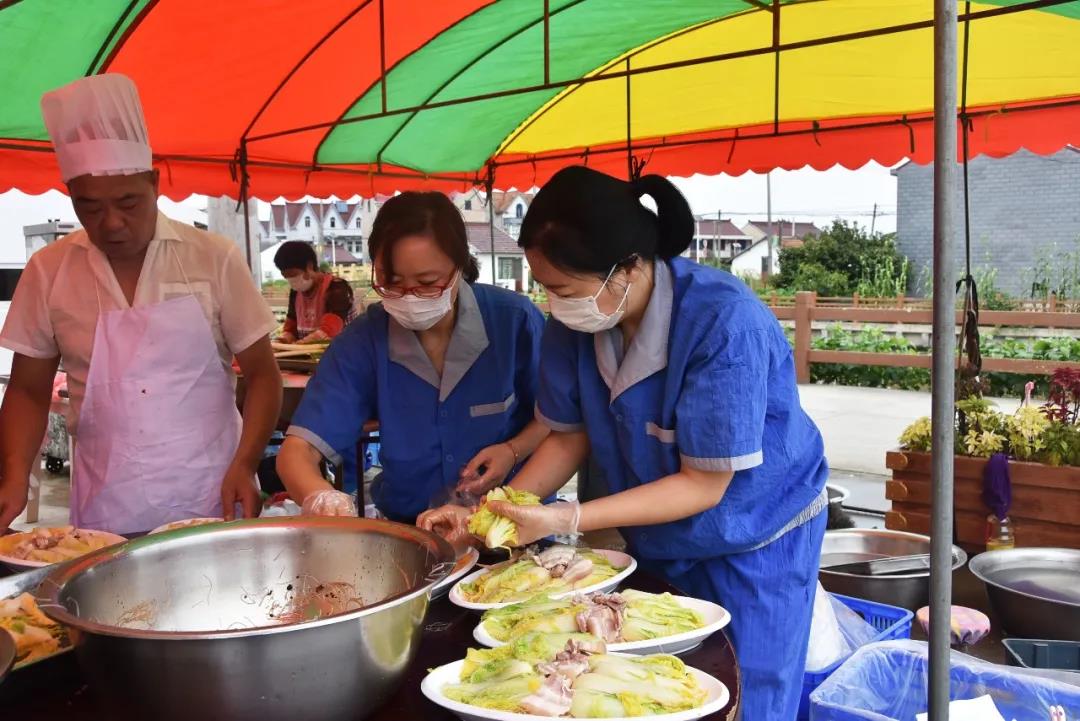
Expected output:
(661, 434)
(490, 409)
(651, 449)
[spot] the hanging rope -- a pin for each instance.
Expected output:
(969, 382)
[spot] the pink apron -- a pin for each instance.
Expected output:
(309, 312)
(159, 425)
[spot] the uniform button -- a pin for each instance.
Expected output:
(449, 458)
(618, 417)
(442, 413)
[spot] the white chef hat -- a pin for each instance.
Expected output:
(97, 127)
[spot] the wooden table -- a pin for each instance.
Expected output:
(55, 689)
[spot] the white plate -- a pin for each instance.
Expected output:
(463, 566)
(185, 524)
(716, 617)
(21, 564)
(432, 686)
(617, 559)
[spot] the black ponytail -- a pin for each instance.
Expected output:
(584, 221)
(674, 219)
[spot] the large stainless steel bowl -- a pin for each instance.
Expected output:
(200, 623)
(908, 590)
(1034, 592)
(7, 654)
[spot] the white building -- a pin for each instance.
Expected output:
(327, 223)
(510, 209)
(754, 261)
(472, 204)
(508, 262)
(717, 240)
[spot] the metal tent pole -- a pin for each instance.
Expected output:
(944, 350)
(491, 224)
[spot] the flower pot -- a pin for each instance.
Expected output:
(1045, 500)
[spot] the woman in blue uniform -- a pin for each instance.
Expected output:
(448, 368)
(680, 384)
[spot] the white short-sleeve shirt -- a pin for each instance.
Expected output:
(66, 286)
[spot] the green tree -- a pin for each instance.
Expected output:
(841, 259)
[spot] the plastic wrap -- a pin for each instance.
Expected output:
(887, 682)
(835, 632)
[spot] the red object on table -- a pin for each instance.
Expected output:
(56, 689)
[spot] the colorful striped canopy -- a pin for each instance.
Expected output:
(363, 96)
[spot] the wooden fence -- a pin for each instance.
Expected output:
(806, 308)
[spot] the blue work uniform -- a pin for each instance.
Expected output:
(708, 382)
(429, 426)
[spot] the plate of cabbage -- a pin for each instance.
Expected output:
(557, 571)
(543, 676)
(628, 621)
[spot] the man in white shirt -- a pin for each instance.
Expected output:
(146, 314)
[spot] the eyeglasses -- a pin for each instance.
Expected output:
(420, 291)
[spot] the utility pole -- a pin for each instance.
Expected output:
(873, 220)
(768, 217)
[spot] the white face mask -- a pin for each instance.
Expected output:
(420, 313)
(301, 283)
(583, 314)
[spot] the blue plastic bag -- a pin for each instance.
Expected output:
(887, 682)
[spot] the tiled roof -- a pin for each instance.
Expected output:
(291, 213)
(340, 255)
(727, 229)
(504, 200)
(787, 228)
(480, 239)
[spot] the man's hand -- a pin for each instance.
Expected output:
(286, 339)
(238, 486)
(13, 495)
(497, 461)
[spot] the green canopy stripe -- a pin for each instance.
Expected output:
(464, 61)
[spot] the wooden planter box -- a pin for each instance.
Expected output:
(1045, 504)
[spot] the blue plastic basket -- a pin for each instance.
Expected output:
(892, 623)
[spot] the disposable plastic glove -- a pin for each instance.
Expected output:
(328, 502)
(450, 522)
(536, 522)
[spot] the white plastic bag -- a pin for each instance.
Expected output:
(836, 632)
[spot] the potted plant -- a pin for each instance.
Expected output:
(1043, 446)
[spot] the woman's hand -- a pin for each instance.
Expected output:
(498, 460)
(328, 502)
(317, 336)
(449, 521)
(286, 338)
(536, 522)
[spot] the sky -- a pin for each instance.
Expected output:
(799, 195)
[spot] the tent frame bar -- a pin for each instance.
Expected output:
(661, 67)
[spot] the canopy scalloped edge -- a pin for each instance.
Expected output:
(1042, 127)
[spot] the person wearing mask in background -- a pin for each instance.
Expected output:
(320, 304)
(146, 315)
(447, 366)
(681, 385)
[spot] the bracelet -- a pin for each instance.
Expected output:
(513, 450)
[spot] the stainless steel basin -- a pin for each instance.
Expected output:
(7, 654)
(286, 618)
(1034, 592)
(908, 590)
